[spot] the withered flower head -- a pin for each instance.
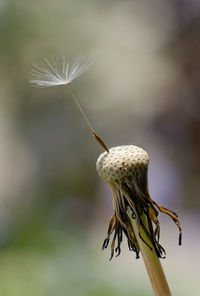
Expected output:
(125, 169)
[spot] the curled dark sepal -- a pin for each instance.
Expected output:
(116, 227)
(174, 217)
(133, 193)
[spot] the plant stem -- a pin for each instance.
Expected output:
(151, 260)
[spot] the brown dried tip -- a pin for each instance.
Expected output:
(125, 171)
(100, 141)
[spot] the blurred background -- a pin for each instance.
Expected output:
(142, 89)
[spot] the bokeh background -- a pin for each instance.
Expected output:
(143, 88)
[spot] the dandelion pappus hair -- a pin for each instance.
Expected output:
(53, 71)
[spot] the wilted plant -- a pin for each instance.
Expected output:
(125, 169)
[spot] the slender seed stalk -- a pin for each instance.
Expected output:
(80, 108)
(98, 139)
(153, 266)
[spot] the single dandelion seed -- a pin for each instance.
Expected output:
(54, 72)
(135, 214)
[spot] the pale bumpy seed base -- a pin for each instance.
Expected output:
(121, 162)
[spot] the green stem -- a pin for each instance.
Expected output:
(151, 260)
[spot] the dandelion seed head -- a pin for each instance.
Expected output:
(121, 162)
(54, 71)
